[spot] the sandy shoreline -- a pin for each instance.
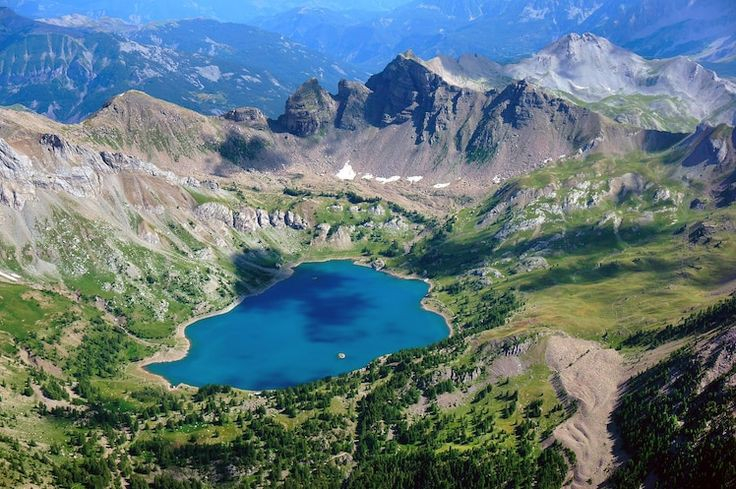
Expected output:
(182, 343)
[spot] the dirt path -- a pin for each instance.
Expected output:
(592, 375)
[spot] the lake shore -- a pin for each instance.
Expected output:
(182, 343)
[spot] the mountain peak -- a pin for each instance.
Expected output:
(310, 109)
(409, 54)
(579, 47)
(136, 101)
(405, 83)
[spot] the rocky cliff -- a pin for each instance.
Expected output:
(309, 110)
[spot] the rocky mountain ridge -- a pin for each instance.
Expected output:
(491, 134)
(670, 94)
(412, 121)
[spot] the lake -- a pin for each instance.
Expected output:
(293, 332)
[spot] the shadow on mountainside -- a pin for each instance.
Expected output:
(247, 153)
(256, 269)
(588, 244)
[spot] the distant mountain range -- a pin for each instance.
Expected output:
(156, 10)
(506, 30)
(67, 70)
(369, 33)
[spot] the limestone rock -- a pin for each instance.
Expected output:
(341, 237)
(245, 220)
(214, 211)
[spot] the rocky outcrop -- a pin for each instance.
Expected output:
(214, 211)
(309, 110)
(700, 233)
(118, 162)
(15, 177)
(322, 231)
(341, 238)
(67, 168)
(531, 263)
(295, 221)
(248, 219)
(248, 116)
(625, 185)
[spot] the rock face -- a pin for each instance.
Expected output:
(406, 90)
(351, 97)
(15, 177)
(402, 88)
(249, 116)
(710, 154)
(248, 219)
(213, 211)
(523, 119)
(310, 109)
(66, 167)
(341, 238)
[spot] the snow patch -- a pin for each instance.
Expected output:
(441, 185)
(414, 179)
(392, 179)
(367, 176)
(347, 172)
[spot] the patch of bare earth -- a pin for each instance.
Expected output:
(592, 376)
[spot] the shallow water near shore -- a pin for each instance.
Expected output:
(293, 332)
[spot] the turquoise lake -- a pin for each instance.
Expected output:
(293, 332)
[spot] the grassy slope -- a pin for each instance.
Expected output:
(602, 283)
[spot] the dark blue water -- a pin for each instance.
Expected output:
(292, 333)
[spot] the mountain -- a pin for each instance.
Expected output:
(663, 28)
(68, 72)
(505, 30)
(405, 122)
(409, 121)
(674, 93)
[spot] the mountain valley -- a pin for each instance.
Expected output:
(572, 213)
